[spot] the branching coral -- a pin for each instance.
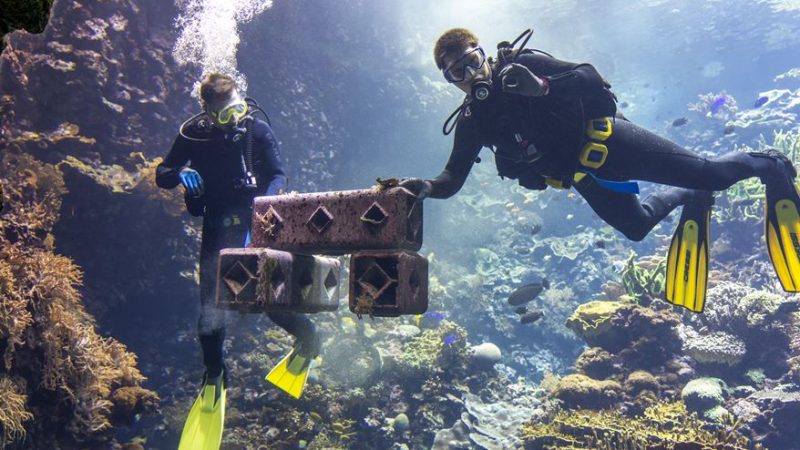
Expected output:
(48, 337)
(664, 425)
(441, 348)
(13, 413)
(644, 280)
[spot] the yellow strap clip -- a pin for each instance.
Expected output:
(599, 129)
(593, 155)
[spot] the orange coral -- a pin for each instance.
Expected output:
(67, 355)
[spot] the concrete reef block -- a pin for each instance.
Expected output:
(339, 222)
(388, 284)
(259, 280)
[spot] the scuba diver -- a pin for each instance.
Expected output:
(554, 123)
(224, 157)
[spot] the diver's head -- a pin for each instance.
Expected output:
(221, 100)
(460, 58)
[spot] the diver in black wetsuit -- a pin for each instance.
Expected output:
(554, 123)
(534, 121)
(210, 158)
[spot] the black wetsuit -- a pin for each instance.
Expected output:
(226, 219)
(555, 125)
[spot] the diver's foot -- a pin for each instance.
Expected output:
(309, 346)
(780, 166)
(215, 375)
(702, 198)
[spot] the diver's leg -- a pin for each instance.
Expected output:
(211, 325)
(626, 213)
(638, 154)
(299, 326)
(223, 230)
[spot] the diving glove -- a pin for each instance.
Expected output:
(518, 79)
(192, 181)
(419, 187)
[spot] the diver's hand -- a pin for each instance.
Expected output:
(518, 79)
(192, 181)
(419, 187)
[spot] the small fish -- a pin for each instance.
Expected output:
(527, 293)
(536, 228)
(760, 102)
(718, 102)
(430, 318)
(521, 310)
(437, 315)
(348, 325)
(571, 195)
(680, 122)
(531, 317)
(729, 130)
(449, 338)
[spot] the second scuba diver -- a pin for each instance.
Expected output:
(554, 123)
(224, 157)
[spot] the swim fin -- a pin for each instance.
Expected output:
(291, 373)
(687, 260)
(204, 425)
(782, 225)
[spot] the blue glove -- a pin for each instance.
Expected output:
(192, 181)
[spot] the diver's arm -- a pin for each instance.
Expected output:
(271, 170)
(564, 78)
(167, 173)
(466, 146)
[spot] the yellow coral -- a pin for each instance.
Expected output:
(663, 425)
(591, 319)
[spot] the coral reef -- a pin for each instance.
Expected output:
(580, 391)
(46, 336)
(596, 363)
(705, 396)
(664, 425)
(616, 325)
(715, 348)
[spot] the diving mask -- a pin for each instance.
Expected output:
(471, 61)
(232, 112)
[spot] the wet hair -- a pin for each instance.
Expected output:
(453, 40)
(216, 87)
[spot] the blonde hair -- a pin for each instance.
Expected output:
(453, 40)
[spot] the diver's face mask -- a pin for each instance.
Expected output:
(465, 68)
(229, 114)
(471, 73)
